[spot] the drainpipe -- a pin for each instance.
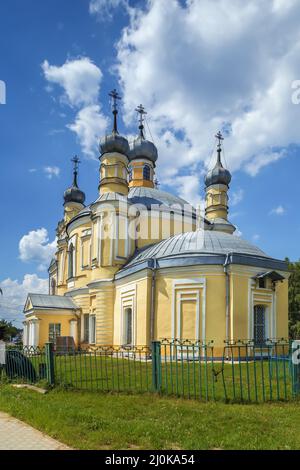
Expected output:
(227, 316)
(152, 311)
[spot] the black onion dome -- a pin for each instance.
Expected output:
(74, 194)
(114, 142)
(142, 148)
(218, 175)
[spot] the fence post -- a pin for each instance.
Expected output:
(50, 363)
(156, 366)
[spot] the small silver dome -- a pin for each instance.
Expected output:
(218, 175)
(142, 148)
(74, 194)
(114, 142)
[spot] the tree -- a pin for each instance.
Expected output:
(8, 330)
(294, 299)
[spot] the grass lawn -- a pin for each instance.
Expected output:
(95, 420)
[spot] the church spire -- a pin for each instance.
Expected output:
(74, 194)
(76, 162)
(115, 98)
(219, 137)
(141, 112)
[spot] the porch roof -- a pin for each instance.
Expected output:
(45, 301)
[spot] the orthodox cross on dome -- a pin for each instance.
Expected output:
(219, 137)
(115, 97)
(76, 162)
(141, 111)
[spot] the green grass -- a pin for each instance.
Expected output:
(95, 420)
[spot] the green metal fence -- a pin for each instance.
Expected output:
(105, 368)
(26, 364)
(257, 371)
(243, 371)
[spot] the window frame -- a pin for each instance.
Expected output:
(147, 172)
(52, 338)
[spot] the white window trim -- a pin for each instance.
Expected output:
(181, 286)
(128, 300)
(266, 298)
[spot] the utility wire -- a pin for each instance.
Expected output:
(148, 127)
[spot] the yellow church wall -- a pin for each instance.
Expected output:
(159, 226)
(190, 284)
(216, 202)
(135, 295)
(103, 307)
(282, 309)
(239, 306)
(216, 309)
(113, 173)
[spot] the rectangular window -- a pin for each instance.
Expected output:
(92, 327)
(128, 326)
(262, 283)
(54, 332)
(259, 324)
(86, 328)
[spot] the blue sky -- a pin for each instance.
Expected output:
(193, 74)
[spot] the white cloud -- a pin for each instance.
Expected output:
(279, 210)
(89, 125)
(51, 171)
(36, 247)
(80, 80)
(188, 188)
(104, 9)
(197, 71)
(15, 293)
(237, 197)
(256, 237)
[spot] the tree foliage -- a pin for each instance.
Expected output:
(294, 299)
(8, 330)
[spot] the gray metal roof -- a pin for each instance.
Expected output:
(149, 196)
(52, 301)
(199, 242)
(111, 196)
(200, 248)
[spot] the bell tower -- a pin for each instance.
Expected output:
(114, 150)
(143, 156)
(74, 198)
(217, 183)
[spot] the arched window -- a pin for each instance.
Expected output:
(259, 324)
(71, 260)
(130, 173)
(146, 172)
(128, 326)
(53, 286)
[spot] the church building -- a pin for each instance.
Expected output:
(139, 264)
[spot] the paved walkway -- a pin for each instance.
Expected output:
(16, 435)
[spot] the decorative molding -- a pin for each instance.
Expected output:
(179, 288)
